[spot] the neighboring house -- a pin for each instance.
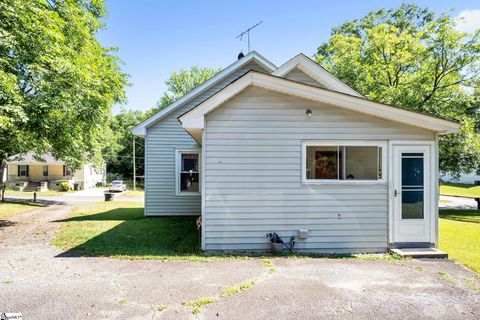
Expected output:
(27, 173)
(470, 178)
(293, 150)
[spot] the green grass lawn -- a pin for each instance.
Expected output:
(460, 190)
(120, 230)
(460, 236)
(136, 193)
(8, 209)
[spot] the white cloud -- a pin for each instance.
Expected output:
(468, 20)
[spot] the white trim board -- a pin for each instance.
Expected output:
(141, 128)
(316, 72)
(193, 120)
(178, 166)
(434, 182)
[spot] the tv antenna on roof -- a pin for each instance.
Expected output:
(247, 32)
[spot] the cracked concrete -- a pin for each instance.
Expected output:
(36, 281)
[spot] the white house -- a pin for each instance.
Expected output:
(293, 150)
(26, 172)
(470, 178)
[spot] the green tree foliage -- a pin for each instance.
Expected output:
(181, 83)
(119, 152)
(57, 83)
(414, 59)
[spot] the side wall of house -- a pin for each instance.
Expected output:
(161, 142)
(253, 184)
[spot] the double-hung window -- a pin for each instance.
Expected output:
(22, 171)
(332, 161)
(187, 180)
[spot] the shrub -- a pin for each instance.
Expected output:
(64, 186)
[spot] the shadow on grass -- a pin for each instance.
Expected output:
(461, 215)
(125, 233)
(132, 236)
(24, 202)
(118, 214)
(38, 203)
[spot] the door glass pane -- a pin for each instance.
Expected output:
(412, 186)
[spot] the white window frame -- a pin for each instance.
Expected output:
(344, 143)
(178, 167)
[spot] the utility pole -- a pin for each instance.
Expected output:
(134, 173)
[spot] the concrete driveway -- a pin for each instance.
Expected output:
(448, 202)
(43, 283)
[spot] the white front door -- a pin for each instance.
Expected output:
(412, 193)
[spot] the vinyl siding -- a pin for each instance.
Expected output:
(300, 76)
(161, 141)
(253, 185)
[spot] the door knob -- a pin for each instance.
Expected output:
(396, 192)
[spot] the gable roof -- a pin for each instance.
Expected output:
(29, 158)
(193, 120)
(140, 129)
(316, 72)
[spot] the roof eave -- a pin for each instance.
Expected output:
(140, 129)
(193, 119)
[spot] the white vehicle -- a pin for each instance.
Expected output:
(117, 186)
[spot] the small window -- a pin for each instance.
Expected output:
(188, 173)
(343, 162)
(45, 171)
(23, 171)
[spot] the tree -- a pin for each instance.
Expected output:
(57, 83)
(412, 58)
(119, 152)
(182, 82)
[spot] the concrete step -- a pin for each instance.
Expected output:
(31, 186)
(420, 253)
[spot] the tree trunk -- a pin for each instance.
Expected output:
(3, 169)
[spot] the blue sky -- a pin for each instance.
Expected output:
(155, 38)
